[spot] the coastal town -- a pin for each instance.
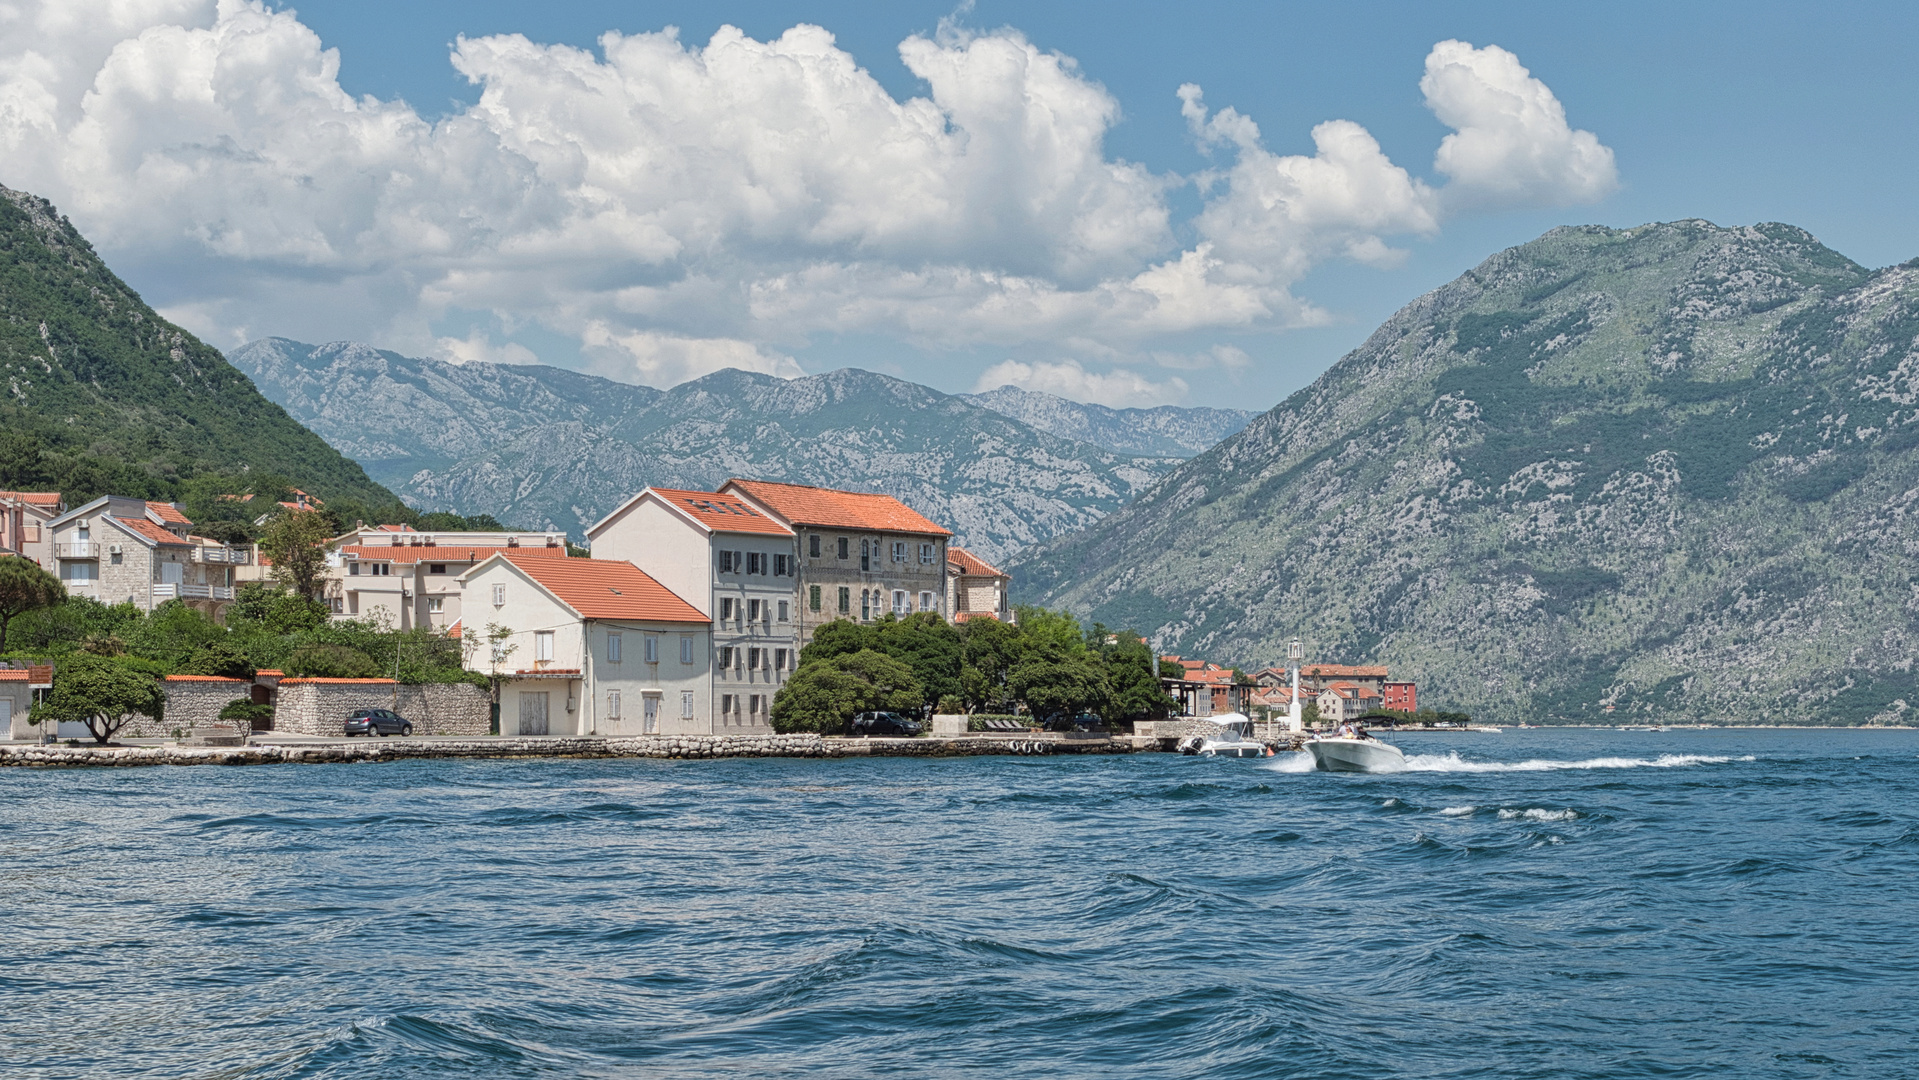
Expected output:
(686, 614)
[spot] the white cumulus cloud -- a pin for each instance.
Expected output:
(673, 208)
(1118, 388)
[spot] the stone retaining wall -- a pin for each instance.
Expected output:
(192, 702)
(321, 706)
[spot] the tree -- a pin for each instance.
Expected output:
(22, 462)
(824, 694)
(929, 645)
(103, 694)
(988, 651)
(24, 587)
(219, 658)
(841, 637)
(1133, 688)
(1169, 669)
(296, 542)
(332, 662)
(275, 608)
(1054, 684)
(1057, 628)
(498, 649)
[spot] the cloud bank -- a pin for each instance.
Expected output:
(674, 208)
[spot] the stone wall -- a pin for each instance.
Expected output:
(192, 701)
(321, 706)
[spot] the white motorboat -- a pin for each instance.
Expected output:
(1234, 739)
(1356, 754)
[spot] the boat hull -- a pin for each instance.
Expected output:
(1232, 749)
(1356, 755)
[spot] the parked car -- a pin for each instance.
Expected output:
(377, 722)
(869, 724)
(1083, 722)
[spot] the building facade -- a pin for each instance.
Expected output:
(23, 519)
(976, 588)
(593, 647)
(736, 563)
(861, 556)
(117, 549)
(411, 579)
(1400, 696)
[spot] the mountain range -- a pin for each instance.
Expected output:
(1662, 473)
(542, 446)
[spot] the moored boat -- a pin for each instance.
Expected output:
(1234, 739)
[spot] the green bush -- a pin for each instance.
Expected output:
(248, 711)
(331, 662)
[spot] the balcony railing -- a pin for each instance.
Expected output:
(85, 549)
(223, 555)
(169, 591)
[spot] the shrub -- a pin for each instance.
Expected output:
(331, 662)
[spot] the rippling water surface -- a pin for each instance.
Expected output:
(1537, 904)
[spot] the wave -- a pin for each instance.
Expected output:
(1458, 811)
(1452, 762)
(1536, 814)
(1291, 763)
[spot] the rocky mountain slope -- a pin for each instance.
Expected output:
(101, 394)
(1666, 473)
(536, 445)
(1166, 431)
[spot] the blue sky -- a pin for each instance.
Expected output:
(1734, 113)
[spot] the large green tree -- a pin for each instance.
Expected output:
(101, 693)
(24, 587)
(296, 542)
(1134, 691)
(823, 695)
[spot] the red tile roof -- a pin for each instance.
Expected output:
(969, 616)
(167, 513)
(825, 507)
(971, 564)
(721, 513)
(147, 529)
(13, 676)
(407, 556)
(202, 678)
(1333, 671)
(606, 588)
(337, 682)
(38, 498)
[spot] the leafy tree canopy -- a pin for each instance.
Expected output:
(101, 693)
(24, 587)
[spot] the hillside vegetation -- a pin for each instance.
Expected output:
(1665, 472)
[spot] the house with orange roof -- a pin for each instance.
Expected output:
(735, 562)
(976, 588)
(117, 549)
(1344, 700)
(593, 647)
(23, 519)
(410, 578)
(862, 555)
(1205, 688)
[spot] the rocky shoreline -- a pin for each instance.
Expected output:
(677, 746)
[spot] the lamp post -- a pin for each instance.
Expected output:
(1296, 715)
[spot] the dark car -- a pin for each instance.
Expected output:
(869, 724)
(1083, 722)
(377, 722)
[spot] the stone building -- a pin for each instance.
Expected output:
(976, 588)
(735, 563)
(116, 549)
(861, 555)
(23, 519)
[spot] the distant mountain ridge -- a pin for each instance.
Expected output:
(537, 445)
(1165, 431)
(99, 394)
(1667, 473)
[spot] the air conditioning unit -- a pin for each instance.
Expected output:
(113, 549)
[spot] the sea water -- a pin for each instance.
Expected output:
(1535, 904)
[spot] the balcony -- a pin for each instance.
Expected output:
(171, 591)
(224, 556)
(85, 549)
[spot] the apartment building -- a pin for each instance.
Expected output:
(740, 566)
(411, 579)
(23, 520)
(596, 647)
(117, 549)
(861, 555)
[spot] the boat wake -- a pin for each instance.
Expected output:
(1300, 761)
(1454, 763)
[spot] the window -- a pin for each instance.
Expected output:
(926, 553)
(650, 713)
(866, 555)
(380, 569)
(686, 651)
(612, 704)
(435, 604)
(779, 659)
(353, 569)
(338, 605)
(782, 565)
(899, 551)
(755, 563)
(436, 568)
(652, 649)
(726, 704)
(783, 616)
(542, 644)
(726, 562)
(899, 601)
(753, 659)
(755, 706)
(739, 564)
(726, 657)
(499, 595)
(813, 598)
(78, 571)
(615, 648)
(842, 547)
(686, 704)
(115, 558)
(866, 604)
(753, 610)
(726, 608)
(926, 601)
(813, 545)
(846, 601)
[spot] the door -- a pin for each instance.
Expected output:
(533, 712)
(650, 714)
(6, 716)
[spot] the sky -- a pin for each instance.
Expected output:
(1132, 204)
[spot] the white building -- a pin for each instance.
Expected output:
(411, 579)
(735, 563)
(595, 647)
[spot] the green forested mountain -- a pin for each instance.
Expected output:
(1666, 472)
(101, 394)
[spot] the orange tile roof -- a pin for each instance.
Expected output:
(407, 556)
(721, 513)
(337, 682)
(802, 505)
(969, 616)
(1346, 670)
(13, 676)
(38, 498)
(971, 564)
(203, 678)
(606, 588)
(147, 529)
(168, 513)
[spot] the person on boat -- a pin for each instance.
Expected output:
(1359, 731)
